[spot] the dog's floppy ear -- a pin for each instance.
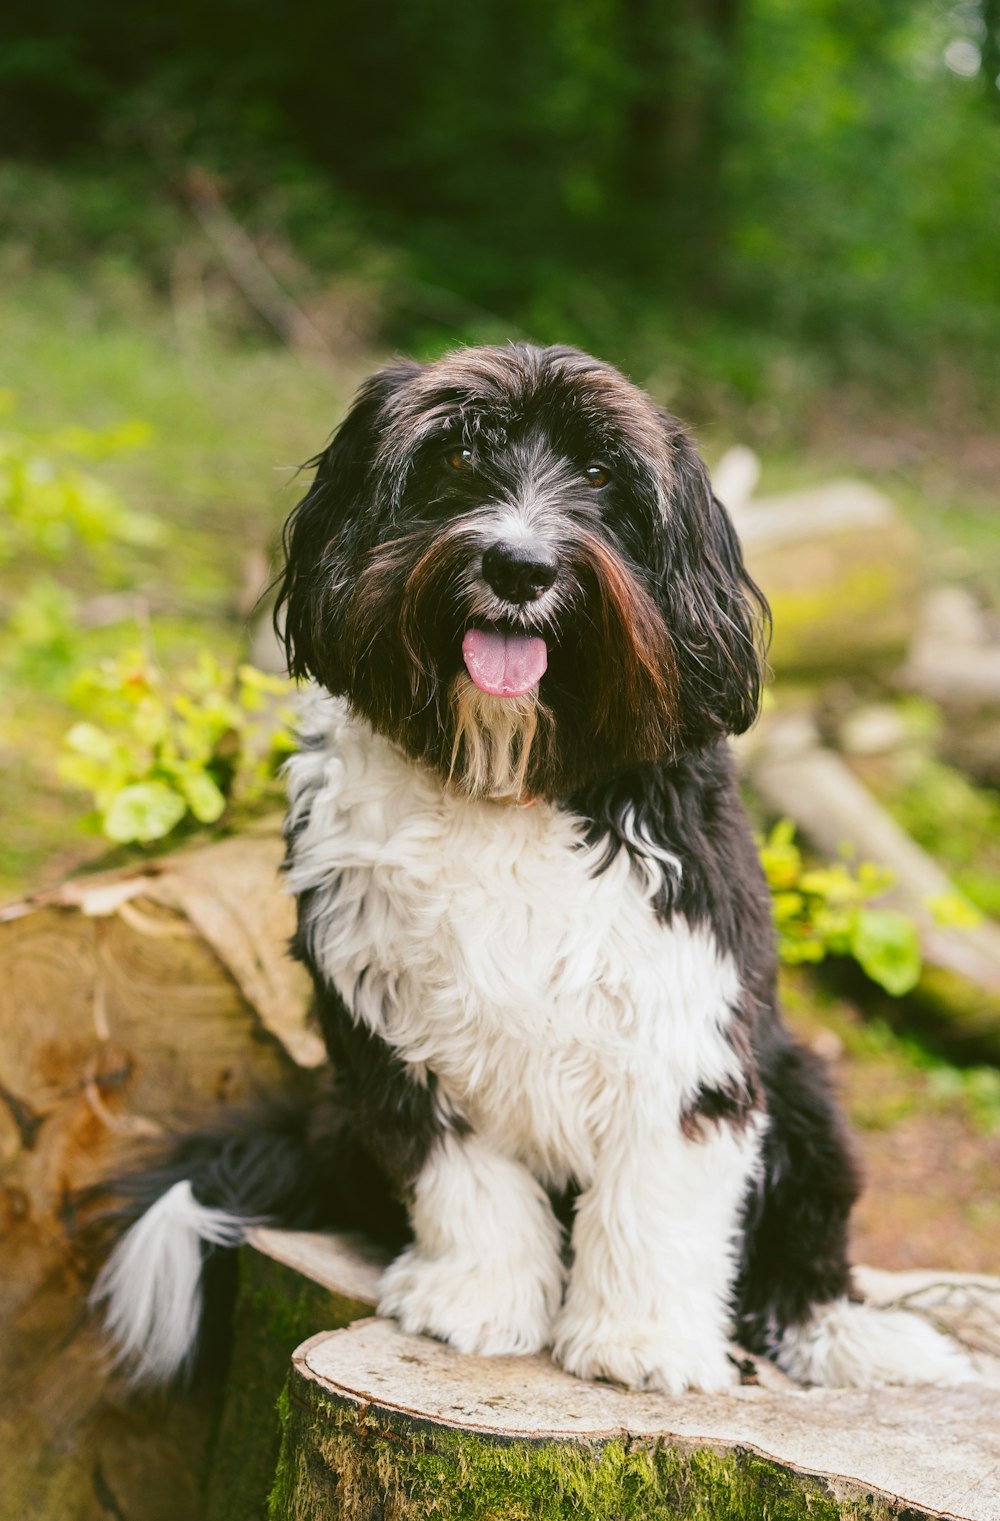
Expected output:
(319, 535)
(719, 618)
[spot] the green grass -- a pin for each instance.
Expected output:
(231, 419)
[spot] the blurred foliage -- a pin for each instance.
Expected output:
(904, 1078)
(954, 818)
(56, 516)
(975, 1088)
(827, 910)
(958, 822)
(769, 195)
(157, 755)
(50, 508)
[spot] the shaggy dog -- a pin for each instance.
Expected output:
(533, 913)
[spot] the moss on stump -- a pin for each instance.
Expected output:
(276, 1307)
(378, 1424)
(350, 1464)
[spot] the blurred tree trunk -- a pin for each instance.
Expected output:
(991, 52)
(682, 57)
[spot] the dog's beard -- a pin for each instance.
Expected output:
(493, 740)
(607, 700)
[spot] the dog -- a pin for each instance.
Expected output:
(534, 915)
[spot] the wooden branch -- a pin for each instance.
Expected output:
(247, 268)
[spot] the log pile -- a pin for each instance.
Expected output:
(843, 573)
(130, 1003)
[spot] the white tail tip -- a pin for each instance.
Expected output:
(151, 1284)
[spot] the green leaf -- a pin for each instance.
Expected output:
(89, 740)
(145, 811)
(205, 799)
(886, 945)
(953, 911)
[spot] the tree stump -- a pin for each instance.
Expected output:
(378, 1423)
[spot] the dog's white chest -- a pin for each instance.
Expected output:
(478, 941)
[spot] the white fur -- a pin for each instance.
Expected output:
(653, 856)
(486, 1272)
(565, 1022)
(151, 1283)
(859, 1346)
(477, 940)
(493, 739)
(655, 1257)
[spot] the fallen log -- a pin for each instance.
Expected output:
(841, 569)
(130, 1003)
(798, 778)
(954, 660)
(376, 1422)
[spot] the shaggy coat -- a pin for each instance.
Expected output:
(533, 913)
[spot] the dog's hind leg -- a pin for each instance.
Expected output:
(796, 1303)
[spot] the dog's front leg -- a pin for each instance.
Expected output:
(655, 1247)
(485, 1269)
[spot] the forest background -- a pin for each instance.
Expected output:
(781, 216)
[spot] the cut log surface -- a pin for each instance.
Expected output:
(378, 1422)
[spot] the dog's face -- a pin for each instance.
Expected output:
(512, 564)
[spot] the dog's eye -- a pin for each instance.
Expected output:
(459, 459)
(597, 475)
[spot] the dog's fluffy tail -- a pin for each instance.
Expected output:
(289, 1167)
(845, 1344)
(150, 1286)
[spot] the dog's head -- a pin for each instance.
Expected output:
(511, 563)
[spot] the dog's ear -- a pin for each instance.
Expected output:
(718, 617)
(318, 538)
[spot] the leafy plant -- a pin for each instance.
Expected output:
(50, 507)
(156, 754)
(827, 910)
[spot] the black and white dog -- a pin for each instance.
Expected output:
(533, 912)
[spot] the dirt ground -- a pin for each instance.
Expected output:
(931, 1196)
(930, 1159)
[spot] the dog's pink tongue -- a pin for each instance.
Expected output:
(505, 665)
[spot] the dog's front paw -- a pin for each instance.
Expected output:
(489, 1309)
(642, 1356)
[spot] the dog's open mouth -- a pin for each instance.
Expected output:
(504, 664)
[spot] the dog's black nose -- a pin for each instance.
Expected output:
(519, 572)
